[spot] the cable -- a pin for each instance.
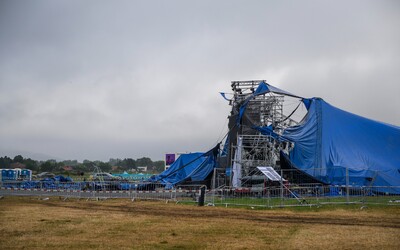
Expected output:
(220, 133)
(291, 113)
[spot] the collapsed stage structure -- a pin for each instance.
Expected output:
(328, 145)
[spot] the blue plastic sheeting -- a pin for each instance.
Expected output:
(61, 178)
(263, 88)
(224, 96)
(307, 102)
(193, 166)
(329, 140)
(268, 130)
(228, 171)
(226, 147)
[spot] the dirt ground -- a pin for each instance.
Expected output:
(27, 222)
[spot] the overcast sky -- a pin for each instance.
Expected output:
(117, 79)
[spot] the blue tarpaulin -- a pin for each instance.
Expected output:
(269, 130)
(329, 143)
(262, 89)
(193, 167)
(330, 140)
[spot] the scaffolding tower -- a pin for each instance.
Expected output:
(249, 148)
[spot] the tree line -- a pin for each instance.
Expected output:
(116, 165)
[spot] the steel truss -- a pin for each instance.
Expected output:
(256, 149)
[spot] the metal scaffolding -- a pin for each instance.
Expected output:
(248, 147)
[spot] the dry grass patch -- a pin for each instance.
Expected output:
(122, 224)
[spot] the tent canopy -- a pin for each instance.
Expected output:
(330, 140)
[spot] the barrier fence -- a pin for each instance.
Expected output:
(310, 195)
(293, 189)
(96, 190)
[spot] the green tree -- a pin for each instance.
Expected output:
(70, 162)
(88, 165)
(158, 166)
(18, 158)
(115, 162)
(47, 166)
(5, 162)
(81, 168)
(128, 163)
(31, 164)
(104, 166)
(59, 166)
(143, 162)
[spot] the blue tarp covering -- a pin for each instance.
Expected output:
(268, 130)
(61, 178)
(262, 89)
(226, 147)
(193, 166)
(329, 140)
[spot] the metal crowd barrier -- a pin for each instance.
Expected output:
(303, 195)
(282, 195)
(96, 190)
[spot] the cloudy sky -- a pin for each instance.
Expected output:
(101, 79)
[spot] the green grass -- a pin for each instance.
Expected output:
(307, 201)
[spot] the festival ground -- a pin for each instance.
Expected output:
(30, 223)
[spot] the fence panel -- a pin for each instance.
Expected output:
(294, 188)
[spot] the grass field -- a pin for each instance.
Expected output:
(26, 222)
(268, 202)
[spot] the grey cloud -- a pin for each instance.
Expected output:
(99, 79)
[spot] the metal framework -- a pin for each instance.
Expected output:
(255, 149)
